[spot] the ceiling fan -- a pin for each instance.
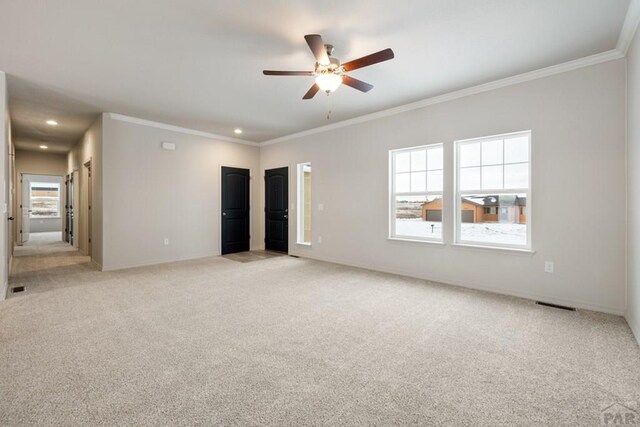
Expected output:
(329, 73)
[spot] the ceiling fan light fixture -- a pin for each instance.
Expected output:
(328, 82)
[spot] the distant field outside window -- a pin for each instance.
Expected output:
(45, 200)
(416, 192)
(493, 191)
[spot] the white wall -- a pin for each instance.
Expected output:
(89, 148)
(39, 163)
(151, 194)
(633, 189)
(578, 187)
(5, 142)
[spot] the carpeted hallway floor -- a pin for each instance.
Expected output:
(45, 262)
(286, 341)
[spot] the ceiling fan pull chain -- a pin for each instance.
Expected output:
(328, 106)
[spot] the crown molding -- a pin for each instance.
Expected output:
(497, 84)
(631, 22)
(172, 128)
(629, 27)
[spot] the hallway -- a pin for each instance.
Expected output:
(39, 264)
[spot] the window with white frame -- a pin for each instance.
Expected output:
(416, 193)
(45, 200)
(493, 182)
(304, 203)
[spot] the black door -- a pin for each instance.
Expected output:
(71, 202)
(276, 209)
(66, 209)
(235, 210)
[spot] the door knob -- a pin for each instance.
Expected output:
(10, 218)
(224, 214)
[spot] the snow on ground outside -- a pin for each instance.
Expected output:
(417, 227)
(489, 232)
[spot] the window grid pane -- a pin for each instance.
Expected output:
(418, 161)
(435, 159)
(491, 153)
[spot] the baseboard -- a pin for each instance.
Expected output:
(156, 262)
(96, 264)
(476, 286)
(634, 324)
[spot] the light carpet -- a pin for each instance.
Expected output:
(287, 341)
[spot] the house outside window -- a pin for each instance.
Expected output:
(493, 191)
(490, 211)
(416, 182)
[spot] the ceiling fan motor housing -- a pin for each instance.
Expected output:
(333, 67)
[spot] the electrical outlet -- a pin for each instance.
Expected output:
(319, 239)
(166, 241)
(548, 267)
(320, 207)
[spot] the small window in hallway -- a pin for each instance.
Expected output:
(45, 200)
(304, 203)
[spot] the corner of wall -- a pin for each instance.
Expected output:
(5, 150)
(634, 324)
(632, 42)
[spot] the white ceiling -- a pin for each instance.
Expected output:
(198, 63)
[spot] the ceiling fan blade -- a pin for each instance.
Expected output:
(356, 84)
(311, 92)
(374, 58)
(317, 47)
(287, 73)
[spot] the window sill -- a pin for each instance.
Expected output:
(406, 239)
(494, 248)
(303, 243)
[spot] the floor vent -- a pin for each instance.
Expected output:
(17, 289)
(294, 256)
(561, 307)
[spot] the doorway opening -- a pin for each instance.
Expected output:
(41, 205)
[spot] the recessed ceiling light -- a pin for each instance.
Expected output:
(52, 123)
(44, 147)
(238, 131)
